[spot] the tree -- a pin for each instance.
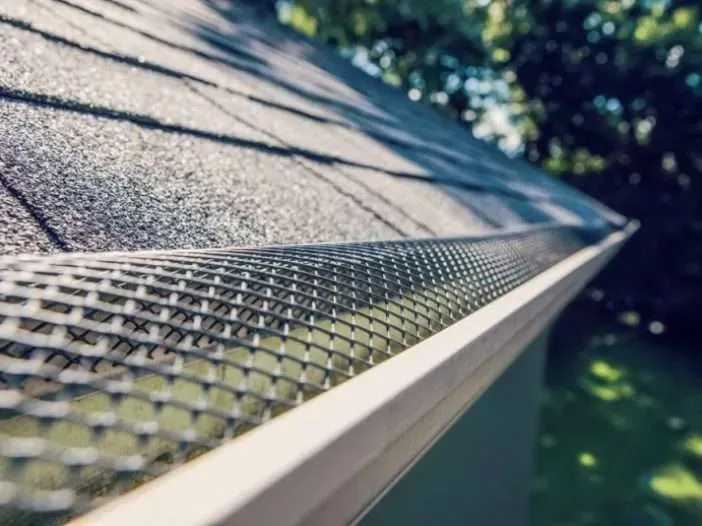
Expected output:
(604, 93)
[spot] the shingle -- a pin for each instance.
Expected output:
(292, 64)
(499, 211)
(19, 231)
(36, 65)
(74, 75)
(176, 26)
(304, 133)
(429, 205)
(113, 185)
(81, 29)
(133, 35)
(266, 85)
(153, 40)
(129, 137)
(176, 8)
(33, 13)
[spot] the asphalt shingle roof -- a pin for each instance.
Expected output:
(128, 124)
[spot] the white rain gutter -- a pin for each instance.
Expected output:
(328, 460)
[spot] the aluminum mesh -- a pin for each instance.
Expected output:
(117, 367)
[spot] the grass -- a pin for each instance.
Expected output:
(621, 434)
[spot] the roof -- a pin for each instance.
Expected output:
(134, 124)
(167, 124)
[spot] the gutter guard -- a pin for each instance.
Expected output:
(119, 367)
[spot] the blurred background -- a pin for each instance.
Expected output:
(606, 94)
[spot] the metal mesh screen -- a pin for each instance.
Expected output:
(117, 367)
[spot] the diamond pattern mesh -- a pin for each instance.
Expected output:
(117, 367)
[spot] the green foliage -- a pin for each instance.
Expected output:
(621, 432)
(606, 93)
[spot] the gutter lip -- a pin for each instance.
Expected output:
(300, 461)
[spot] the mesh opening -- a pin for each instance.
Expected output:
(115, 368)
